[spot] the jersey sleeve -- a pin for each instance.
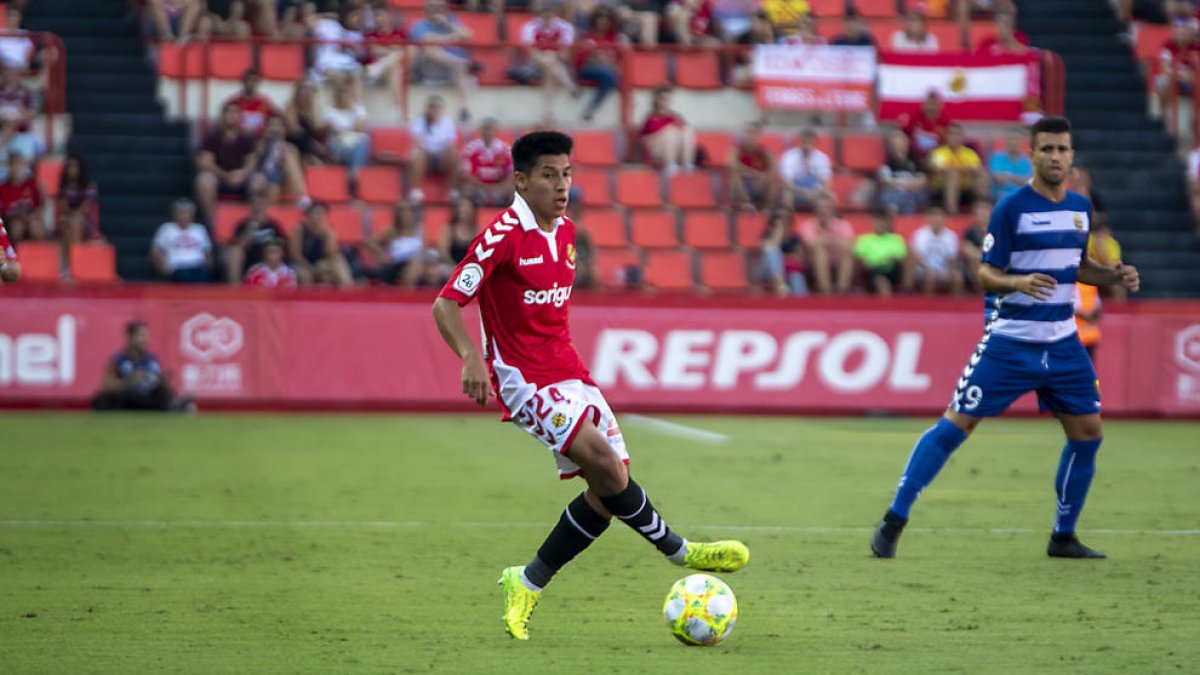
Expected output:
(998, 243)
(488, 250)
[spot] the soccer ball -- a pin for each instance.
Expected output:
(700, 610)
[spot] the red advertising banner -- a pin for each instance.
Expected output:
(345, 351)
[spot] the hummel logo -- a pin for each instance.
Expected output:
(530, 261)
(1040, 222)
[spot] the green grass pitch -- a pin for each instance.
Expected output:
(372, 544)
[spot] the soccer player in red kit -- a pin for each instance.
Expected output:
(521, 268)
(10, 269)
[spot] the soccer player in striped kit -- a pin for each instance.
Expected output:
(1034, 252)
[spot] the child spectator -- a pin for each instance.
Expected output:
(782, 265)
(915, 35)
(935, 256)
(227, 163)
(254, 109)
(77, 204)
(668, 140)
(346, 121)
(22, 201)
(487, 169)
(881, 253)
(903, 187)
(272, 272)
(399, 250)
(547, 39)
(1011, 167)
(753, 178)
(806, 172)
(972, 241)
(249, 238)
(597, 57)
(958, 176)
(440, 57)
(434, 140)
(313, 250)
(182, 250)
(305, 123)
(830, 244)
(16, 116)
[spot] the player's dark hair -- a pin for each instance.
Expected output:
(531, 146)
(1049, 125)
(133, 327)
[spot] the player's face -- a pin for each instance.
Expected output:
(547, 186)
(1052, 157)
(140, 339)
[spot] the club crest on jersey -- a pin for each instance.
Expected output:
(468, 279)
(1078, 222)
(571, 256)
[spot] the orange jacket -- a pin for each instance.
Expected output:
(1087, 317)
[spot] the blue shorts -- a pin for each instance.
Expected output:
(1003, 369)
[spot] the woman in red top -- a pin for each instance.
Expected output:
(668, 140)
(597, 55)
(21, 201)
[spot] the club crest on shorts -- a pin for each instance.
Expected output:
(558, 420)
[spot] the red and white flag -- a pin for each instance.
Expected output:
(974, 87)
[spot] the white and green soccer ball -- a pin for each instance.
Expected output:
(700, 610)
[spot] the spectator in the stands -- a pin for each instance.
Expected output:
(305, 123)
(733, 16)
(934, 256)
(691, 22)
(1011, 167)
(882, 253)
(1007, 39)
(134, 379)
(805, 34)
(346, 120)
(761, 32)
(854, 33)
(807, 172)
(272, 271)
(16, 117)
(251, 234)
(313, 250)
(227, 163)
(782, 265)
(254, 109)
(385, 55)
(927, 128)
(829, 241)
(279, 163)
(547, 39)
(1177, 59)
(785, 15)
(598, 57)
(487, 168)
(454, 242)
(22, 203)
(973, 237)
(172, 20)
(668, 140)
(399, 251)
(1193, 181)
(641, 19)
(915, 35)
(753, 177)
(77, 203)
(903, 187)
(16, 48)
(339, 52)
(182, 250)
(441, 57)
(1104, 248)
(434, 139)
(958, 174)
(227, 18)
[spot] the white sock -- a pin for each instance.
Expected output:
(679, 556)
(529, 584)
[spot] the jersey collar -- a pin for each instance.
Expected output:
(525, 214)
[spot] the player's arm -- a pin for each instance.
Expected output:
(448, 316)
(1095, 274)
(1036, 285)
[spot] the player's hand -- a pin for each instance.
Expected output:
(1037, 285)
(1128, 275)
(475, 381)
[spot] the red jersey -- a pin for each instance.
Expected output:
(597, 43)
(523, 278)
(656, 122)
(6, 248)
(991, 44)
(253, 111)
(489, 164)
(701, 20)
(394, 35)
(549, 35)
(926, 134)
(755, 159)
(264, 277)
(22, 197)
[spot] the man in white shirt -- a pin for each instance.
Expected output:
(434, 139)
(934, 259)
(182, 249)
(806, 172)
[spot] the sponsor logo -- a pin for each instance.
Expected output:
(1040, 222)
(204, 339)
(1187, 347)
(468, 279)
(988, 242)
(557, 296)
(40, 359)
(848, 362)
(525, 262)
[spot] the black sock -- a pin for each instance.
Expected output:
(633, 507)
(577, 528)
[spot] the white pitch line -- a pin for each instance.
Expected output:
(497, 525)
(677, 430)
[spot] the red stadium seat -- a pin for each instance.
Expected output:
(1150, 40)
(282, 61)
(288, 216)
(692, 190)
(596, 186)
(846, 187)
(717, 145)
(93, 262)
(41, 261)
(595, 147)
(827, 8)
(436, 189)
(873, 9)
(723, 270)
(617, 267)
(697, 70)
(861, 222)
(347, 223)
(495, 63)
(328, 183)
(391, 144)
(607, 227)
(863, 152)
(654, 228)
(226, 220)
(749, 228)
(229, 60)
(379, 184)
(638, 188)
(706, 229)
(413, 5)
(49, 172)
(981, 30)
(646, 70)
(180, 61)
(434, 219)
(906, 225)
(669, 270)
(484, 28)
(513, 21)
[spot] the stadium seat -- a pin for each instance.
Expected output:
(391, 144)
(717, 145)
(596, 186)
(411, 5)
(347, 223)
(980, 30)
(617, 267)
(723, 270)
(654, 228)
(638, 188)
(379, 184)
(1150, 40)
(748, 229)
(49, 171)
(226, 220)
(607, 227)
(906, 225)
(824, 9)
(436, 189)
(41, 261)
(862, 152)
(595, 147)
(512, 26)
(495, 63)
(706, 229)
(861, 222)
(645, 70)
(693, 189)
(484, 29)
(697, 70)
(846, 189)
(180, 60)
(229, 60)
(281, 61)
(288, 216)
(93, 262)
(434, 219)
(328, 183)
(876, 9)
(669, 270)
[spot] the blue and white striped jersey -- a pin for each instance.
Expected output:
(1029, 233)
